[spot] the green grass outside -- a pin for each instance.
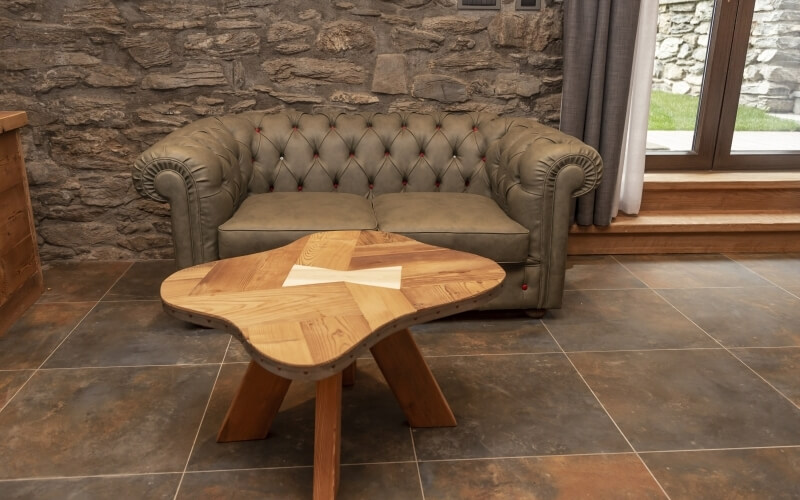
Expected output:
(678, 112)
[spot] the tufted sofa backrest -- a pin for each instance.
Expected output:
(366, 153)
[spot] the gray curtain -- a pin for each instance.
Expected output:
(599, 38)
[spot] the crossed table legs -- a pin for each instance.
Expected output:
(261, 393)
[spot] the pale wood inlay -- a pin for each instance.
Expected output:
(314, 330)
(386, 277)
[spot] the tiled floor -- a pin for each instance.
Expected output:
(662, 376)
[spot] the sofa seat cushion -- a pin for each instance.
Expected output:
(270, 220)
(467, 222)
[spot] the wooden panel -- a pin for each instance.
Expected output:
(20, 301)
(12, 120)
(696, 223)
(20, 271)
(715, 200)
(699, 242)
(11, 165)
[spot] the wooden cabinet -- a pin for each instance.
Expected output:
(20, 270)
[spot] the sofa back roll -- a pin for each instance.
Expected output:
(367, 154)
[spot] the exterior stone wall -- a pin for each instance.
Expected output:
(772, 72)
(102, 80)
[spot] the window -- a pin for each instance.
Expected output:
(725, 91)
(479, 4)
(529, 4)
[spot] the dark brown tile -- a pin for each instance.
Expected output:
(144, 486)
(80, 281)
(236, 353)
(34, 336)
(489, 334)
(541, 478)
(398, 481)
(10, 382)
(604, 320)
(722, 475)
(137, 333)
(598, 272)
(373, 426)
(742, 317)
(783, 269)
(673, 400)
(386, 481)
(258, 484)
(518, 405)
(142, 281)
(780, 367)
(103, 421)
(689, 271)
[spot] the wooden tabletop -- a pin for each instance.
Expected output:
(310, 308)
(12, 120)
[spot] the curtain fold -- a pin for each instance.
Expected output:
(599, 41)
(630, 181)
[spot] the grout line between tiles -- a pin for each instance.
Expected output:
(737, 358)
(607, 412)
(200, 425)
(101, 476)
(125, 366)
(777, 447)
(416, 462)
(513, 457)
(65, 338)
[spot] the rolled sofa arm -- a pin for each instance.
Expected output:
(197, 170)
(535, 172)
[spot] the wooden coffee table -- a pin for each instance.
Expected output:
(309, 309)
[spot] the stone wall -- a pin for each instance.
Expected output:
(102, 80)
(772, 71)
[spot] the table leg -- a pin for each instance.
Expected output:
(327, 437)
(349, 375)
(412, 382)
(255, 405)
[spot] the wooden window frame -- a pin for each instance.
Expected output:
(719, 99)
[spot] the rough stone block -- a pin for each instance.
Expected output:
(391, 74)
(441, 88)
(341, 36)
(194, 74)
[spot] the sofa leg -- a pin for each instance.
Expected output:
(535, 313)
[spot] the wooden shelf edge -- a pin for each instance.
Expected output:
(660, 243)
(12, 120)
(688, 181)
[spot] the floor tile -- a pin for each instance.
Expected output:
(385, 481)
(34, 336)
(142, 280)
(722, 475)
(689, 271)
(151, 486)
(674, 400)
(780, 367)
(742, 317)
(398, 481)
(103, 421)
(602, 320)
(137, 333)
(598, 272)
(370, 415)
(80, 281)
(783, 269)
(484, 334)
(236, 353)
(542, 478)
(520, 405)
(10, 382)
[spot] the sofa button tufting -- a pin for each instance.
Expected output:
(316, 155)
(258, 130)
(466, 183)
(271, 189)
(371, 186)
(299, 187)
(335, 185)
(281, 157)
(385, 153)
(474, 129)
(483, 159)
(524, 286)
(438, 183)
(422, 154)
(352, 154)
(405, 182)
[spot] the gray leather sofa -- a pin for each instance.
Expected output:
(498, 187)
